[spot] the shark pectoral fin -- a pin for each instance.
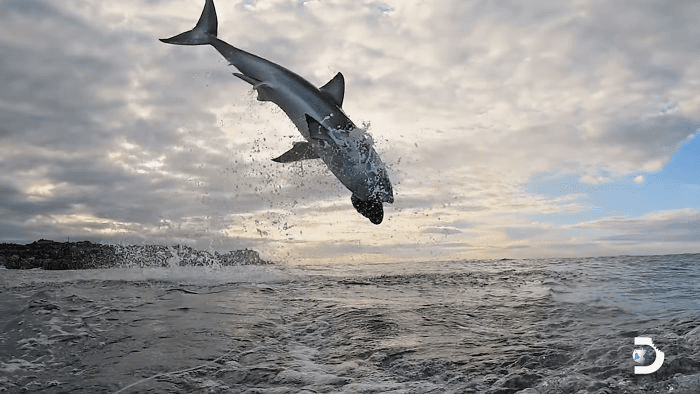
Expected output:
(372, 209)
(335, 88)
(300, 151)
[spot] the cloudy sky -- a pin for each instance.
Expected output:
(511, 129)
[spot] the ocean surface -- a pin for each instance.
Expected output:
(475, 326)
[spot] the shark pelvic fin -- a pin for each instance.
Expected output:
(335, 88)
(264, 90)
(248, 79)
(300, 151)
(203, 33)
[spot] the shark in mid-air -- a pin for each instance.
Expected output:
(330, 135)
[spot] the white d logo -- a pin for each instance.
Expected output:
(639, 341)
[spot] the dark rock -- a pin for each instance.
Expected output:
(51, 255)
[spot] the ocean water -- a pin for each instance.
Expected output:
(475, 326)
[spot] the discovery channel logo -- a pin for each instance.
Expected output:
(644, 356)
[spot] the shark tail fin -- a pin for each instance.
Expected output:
(203, 33)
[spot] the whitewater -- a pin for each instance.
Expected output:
(471, 326)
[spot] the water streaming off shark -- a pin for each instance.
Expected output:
(330, 135)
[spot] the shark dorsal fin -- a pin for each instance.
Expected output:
(335, 88)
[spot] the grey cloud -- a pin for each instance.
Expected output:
(17, 210)
(669, 226)
(442, 230)
(656, 137)
(548, 52)
(512, 87)
(67, 106)
(520, 233)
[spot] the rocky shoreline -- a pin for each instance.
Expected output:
(51, 255)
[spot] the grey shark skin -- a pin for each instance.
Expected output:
(347, 150)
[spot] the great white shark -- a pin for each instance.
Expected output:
(330, 135)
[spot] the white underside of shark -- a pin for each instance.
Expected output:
(330, 135)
